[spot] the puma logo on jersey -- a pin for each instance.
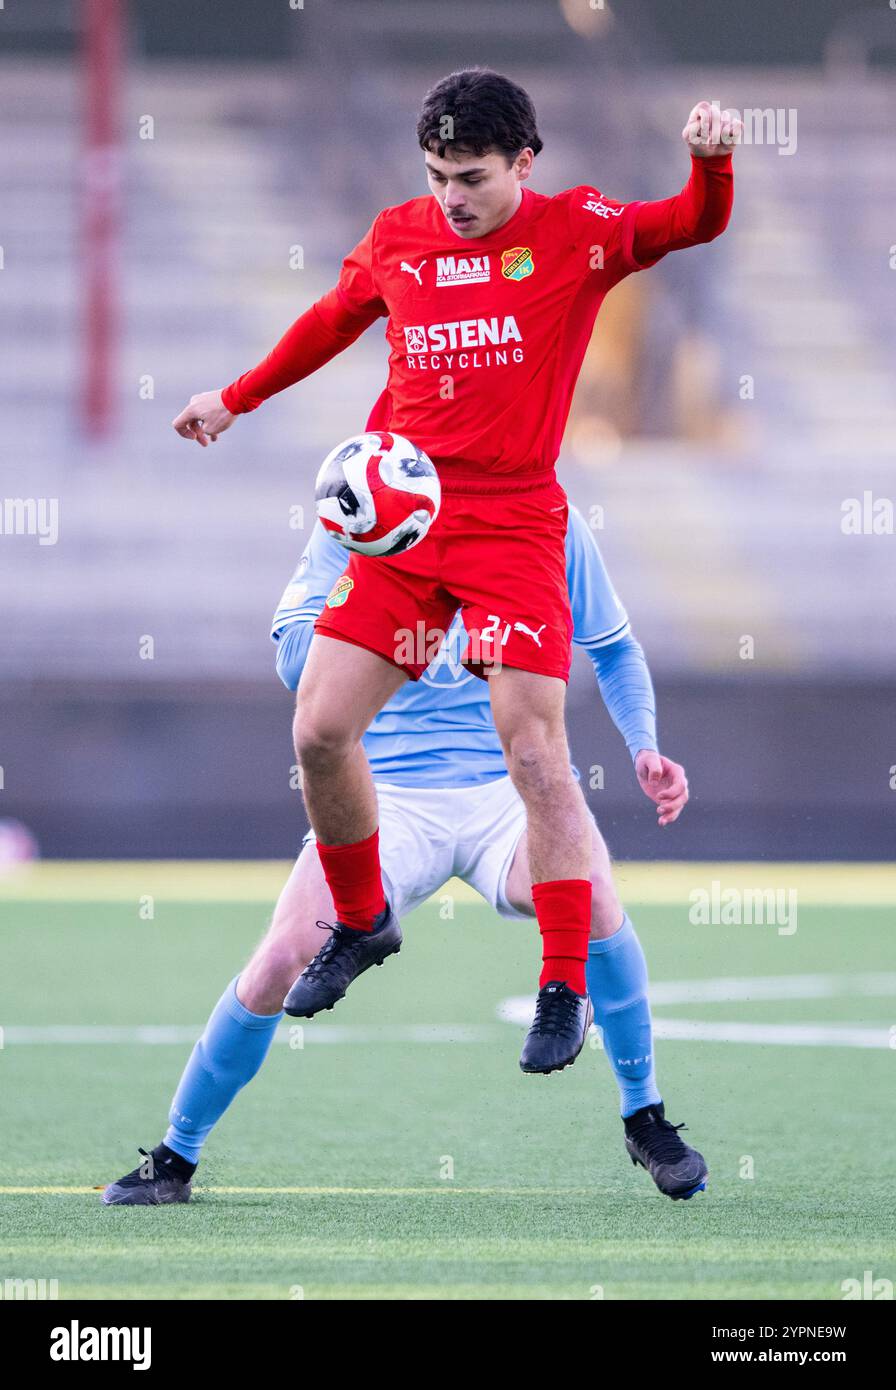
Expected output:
(527, 631)
(415, 272)
(462, 270)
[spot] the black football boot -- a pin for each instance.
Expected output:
(163, 1177)
(559, 1029)
(678, 1170)
(342, 958)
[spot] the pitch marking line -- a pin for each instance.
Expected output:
(773, 1034)
(165, 1034)
(727, 988)
(519, 1010)
(444, 1189)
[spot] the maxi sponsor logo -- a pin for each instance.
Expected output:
(462, 270)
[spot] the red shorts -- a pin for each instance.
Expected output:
(500, 559)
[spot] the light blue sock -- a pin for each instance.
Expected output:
(229, 1053)
(616, 972)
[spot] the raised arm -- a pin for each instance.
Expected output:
(701, 210)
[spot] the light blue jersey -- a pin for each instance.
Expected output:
(438, 731)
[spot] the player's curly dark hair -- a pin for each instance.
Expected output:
(476, 111)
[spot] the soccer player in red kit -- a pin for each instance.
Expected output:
(490, 291)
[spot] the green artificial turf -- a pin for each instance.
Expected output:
(542, 1201)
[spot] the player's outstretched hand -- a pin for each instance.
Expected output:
(710, 132)
(664, 782)
(204, 418)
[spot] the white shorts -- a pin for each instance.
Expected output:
(431, 834)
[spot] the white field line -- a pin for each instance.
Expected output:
(664, 1030)
(774, 1034)
(446, 1189)
(726, 989)
(519, 1010)
(163, 1034)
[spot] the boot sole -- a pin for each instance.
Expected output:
(159, 1202)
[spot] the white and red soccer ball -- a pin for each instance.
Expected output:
(377, 493)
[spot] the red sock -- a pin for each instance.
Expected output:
(563, 909)
(353, 877)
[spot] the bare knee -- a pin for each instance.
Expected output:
(537, 759)
(321, 742)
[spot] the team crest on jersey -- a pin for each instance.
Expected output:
(462, 270)
(340, 592)
(517, 263)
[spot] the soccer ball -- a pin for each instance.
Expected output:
(377, 494)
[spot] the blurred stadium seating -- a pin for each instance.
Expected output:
(719, 516)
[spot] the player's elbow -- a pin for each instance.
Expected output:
(288, 670)
(292, 652)
(705, 227)
(711, 227)
(719, 227)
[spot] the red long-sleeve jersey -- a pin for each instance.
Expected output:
(486, 335)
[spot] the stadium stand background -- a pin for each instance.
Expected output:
(720, 517)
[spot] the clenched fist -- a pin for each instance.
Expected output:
(710, 132)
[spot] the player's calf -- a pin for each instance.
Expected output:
(607, 911)
(298, 930)
(271, 971)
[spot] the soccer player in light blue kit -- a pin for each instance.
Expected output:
(447, 808)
